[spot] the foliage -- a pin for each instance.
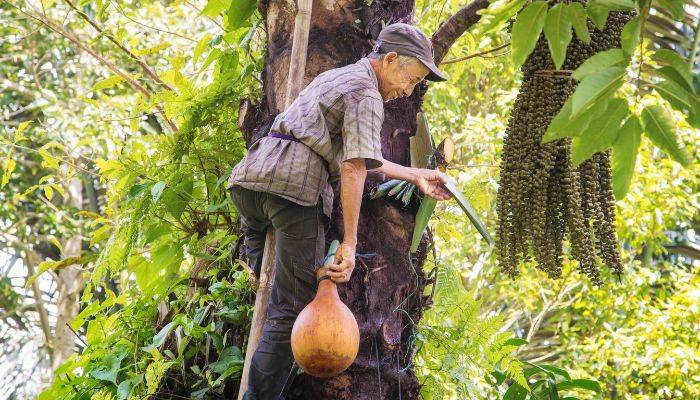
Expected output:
(544, 381)
(164, 224)
(642, 341)
(165, 301)
(126, 358)
(663, 196)
(458, 344)
(601, 78)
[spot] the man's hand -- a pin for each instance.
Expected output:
(432, 182)
(344, 263)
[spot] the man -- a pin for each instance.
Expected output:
(331, 130)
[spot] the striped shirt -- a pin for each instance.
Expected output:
(337, 117)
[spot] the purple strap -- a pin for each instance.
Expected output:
(279, 135)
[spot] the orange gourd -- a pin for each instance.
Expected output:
(325, 336)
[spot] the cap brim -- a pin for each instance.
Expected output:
(435, 74)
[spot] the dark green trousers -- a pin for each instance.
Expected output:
(299, 251)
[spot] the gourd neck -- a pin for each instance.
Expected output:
(327, 288)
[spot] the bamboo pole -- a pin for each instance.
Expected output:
(295, 81)
(300, 42)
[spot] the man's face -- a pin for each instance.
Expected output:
(395, 81)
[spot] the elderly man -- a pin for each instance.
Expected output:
(331, 130)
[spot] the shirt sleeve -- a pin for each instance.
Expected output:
(362, 125)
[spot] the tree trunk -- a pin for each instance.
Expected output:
(386, 289)
(69, 285)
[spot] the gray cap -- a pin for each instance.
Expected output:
(407, 40)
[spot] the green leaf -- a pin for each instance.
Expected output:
(672, 74)
(516, 342)
(526, 31)
(467, 208)
(675, 7)
(10, 165)
(564, 126)
(679, 98)
(109, 367)
(498, 15)
(617, 4)
(425, 211)
(595, 86)
(152, 50)
(124, 390)
(176, 198)
(661, 129)
(248, 36)
(215, 40)
(556, 370)
(600, 61)
(577, 16)
(601, 133)
(598, 13)
(500, 377)
(677, 62)
(585, 384)
(202, 44)
(239, 12)
(20, 128)
(136, 190)
(108, 82)
(557, 29)
(231, 356)
(160, 337)
(553, 393)
(216, 7)
(536, 369)
(625, 155)
(125, 387)
(157, 190)
(515, 392)
(629, 38)
(214, 54)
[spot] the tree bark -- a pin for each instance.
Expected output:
(69, 285)
(386, 289)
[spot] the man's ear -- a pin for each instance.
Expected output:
(390, 58)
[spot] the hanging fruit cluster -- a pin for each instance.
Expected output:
(543, 199)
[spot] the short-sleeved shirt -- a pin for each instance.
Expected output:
(336, 117)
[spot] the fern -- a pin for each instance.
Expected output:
(459, 345)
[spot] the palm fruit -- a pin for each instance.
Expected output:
(542, 199)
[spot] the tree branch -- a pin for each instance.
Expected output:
(19, 89)
(450, 30)
(129, 80)
(481, 53)
(146, 68)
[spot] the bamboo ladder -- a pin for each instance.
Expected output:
(295, 80)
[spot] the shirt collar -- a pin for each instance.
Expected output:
(364, 62)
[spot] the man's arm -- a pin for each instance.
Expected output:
(352, 183)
